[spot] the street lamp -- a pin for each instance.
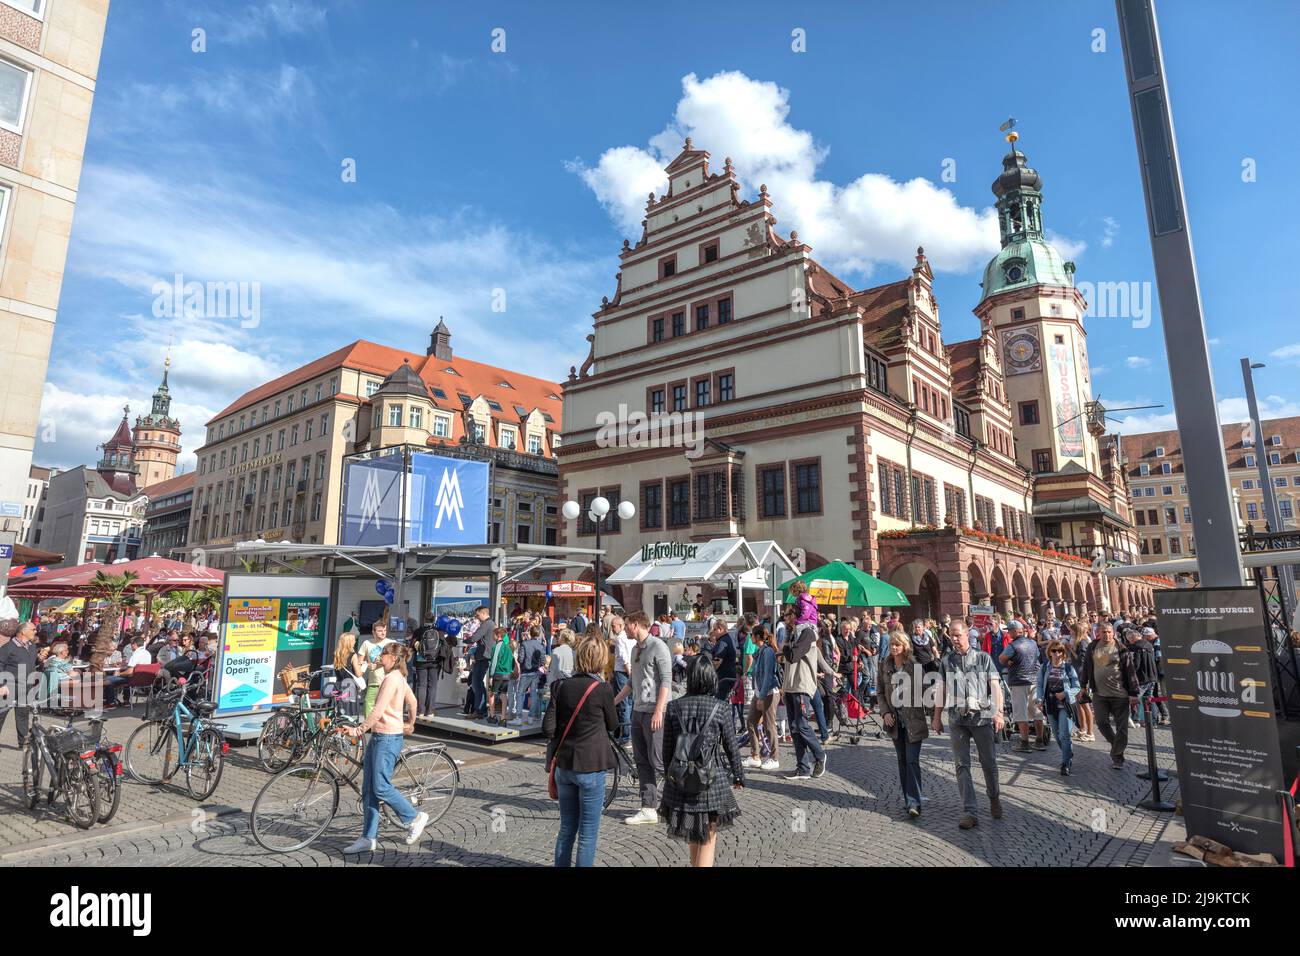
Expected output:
(1272, 514)
(598, 511)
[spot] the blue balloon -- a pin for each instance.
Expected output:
(441, 623)
(452, 628)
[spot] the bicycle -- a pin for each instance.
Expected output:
(623, 764)
(71, 758)
(158, 748)
(287, 735)
(298, 804)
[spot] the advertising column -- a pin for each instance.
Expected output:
(1219, 678)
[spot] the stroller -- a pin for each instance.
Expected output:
(853, 713)
(1010, 732)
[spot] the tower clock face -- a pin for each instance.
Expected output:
(1022, 351)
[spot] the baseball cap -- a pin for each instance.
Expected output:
(1148, 632)
(1015, 625)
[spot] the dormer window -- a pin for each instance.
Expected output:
(1275, 440)
(1160, 451)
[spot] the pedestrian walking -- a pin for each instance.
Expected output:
(582, 707)
(389, 722)
(427, 645)
(372, 651)
(348, 681)
(1058, 689)
(763, 705)
(798, 685)
(970, 689)
(649, 688)
(501, 671)
(563, 658)
(20, 675)
(1021, 659)
(1110, 677)
(480, 639)
(622, 674)
(702, 764)
(902, 683)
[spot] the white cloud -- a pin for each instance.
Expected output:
(872, 221)
(259, 21)
(1231, 411)
(1287, 353)
(1110, 229)
(1096, 370)
(1070, 249)
(1137, 361)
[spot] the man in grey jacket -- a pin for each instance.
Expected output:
(798, 685)
(650, 687)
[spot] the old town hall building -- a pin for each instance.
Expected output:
(837, 420)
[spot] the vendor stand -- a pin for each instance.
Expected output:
(838, 584)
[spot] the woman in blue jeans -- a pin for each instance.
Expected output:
(902, 703)
(579, 720)
(389, 722)
(1058, 689)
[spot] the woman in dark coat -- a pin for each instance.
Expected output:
(697, 817)
(901, 696)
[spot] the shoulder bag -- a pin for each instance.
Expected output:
(550, 776)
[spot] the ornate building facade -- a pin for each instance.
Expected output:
(735, 386)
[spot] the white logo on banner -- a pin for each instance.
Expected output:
(370, 501)
(449, 500)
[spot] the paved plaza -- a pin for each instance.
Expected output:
(502, 817)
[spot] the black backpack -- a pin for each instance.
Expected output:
(427, 644)
(694, 761)
(535, 657)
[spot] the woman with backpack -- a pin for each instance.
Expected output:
(579, 720)
(701, 764)
(1058, 689)
(348, 679)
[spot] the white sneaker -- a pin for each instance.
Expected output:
(644, 815)
(361, 846)
(417, 827)
(752, 762)
(515, 723)
(770, 764)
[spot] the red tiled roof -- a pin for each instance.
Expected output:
(161, 489)
(1141, 448)
(470, 377)
(964, 358)
(883, 308)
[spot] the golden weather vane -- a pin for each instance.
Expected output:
(1009, 127)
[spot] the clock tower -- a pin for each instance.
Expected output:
(1032, 308)
(1036, 315)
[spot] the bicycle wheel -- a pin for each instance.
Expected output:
(32, 767)
(428, 779)
(294, 808)
(611, 781)
(151, 752)
(203, 771)
(81, 790)
(280, 742)
(110, 788)
(341, 752)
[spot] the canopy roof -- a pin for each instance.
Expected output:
(862, 589)
(155, 574)
(718, 559)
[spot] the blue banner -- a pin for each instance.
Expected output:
(447, 500)
(372, 502)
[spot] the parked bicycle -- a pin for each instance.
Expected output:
(624, 765)
(177, 735)
(298, 804)
(287, 735)
(71, 759)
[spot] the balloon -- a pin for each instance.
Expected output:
(441, 623)
(452, 628)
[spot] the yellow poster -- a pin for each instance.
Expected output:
(825, 591)
(252, 625)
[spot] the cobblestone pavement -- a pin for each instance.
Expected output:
(502, 816)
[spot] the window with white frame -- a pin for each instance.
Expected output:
(441, 426)
(1165, 468)
(1144, 469)
(534, 444)
(1160, 451)
(1250, 461)
(417, 416)
(15, 82)
(372, 386)
(35, 7)
(507, 437)
(1275, 439)
(395, 415)
(1274, 458)
(1247, 484)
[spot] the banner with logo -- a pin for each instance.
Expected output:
(270, 621)
(1065, 398)
(372, 501)
(1219, 679)
(447, 500)
(826, 591)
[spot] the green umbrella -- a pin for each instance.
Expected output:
(861, 588)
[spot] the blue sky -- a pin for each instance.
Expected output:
(522, 171)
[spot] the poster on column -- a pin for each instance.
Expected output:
(270, 622)
(1219, 680)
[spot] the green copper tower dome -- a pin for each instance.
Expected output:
(1026, 259)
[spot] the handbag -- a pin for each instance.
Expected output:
(550, 773)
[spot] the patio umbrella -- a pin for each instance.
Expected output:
(843, 584)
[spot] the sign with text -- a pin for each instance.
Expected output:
(825, 591)
(447, 502)
(1219, 679)
(270, 621)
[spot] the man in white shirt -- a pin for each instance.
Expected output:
(138, 656)
(623, 647)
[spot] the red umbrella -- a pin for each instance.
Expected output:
(164, 574)
(61, 582)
